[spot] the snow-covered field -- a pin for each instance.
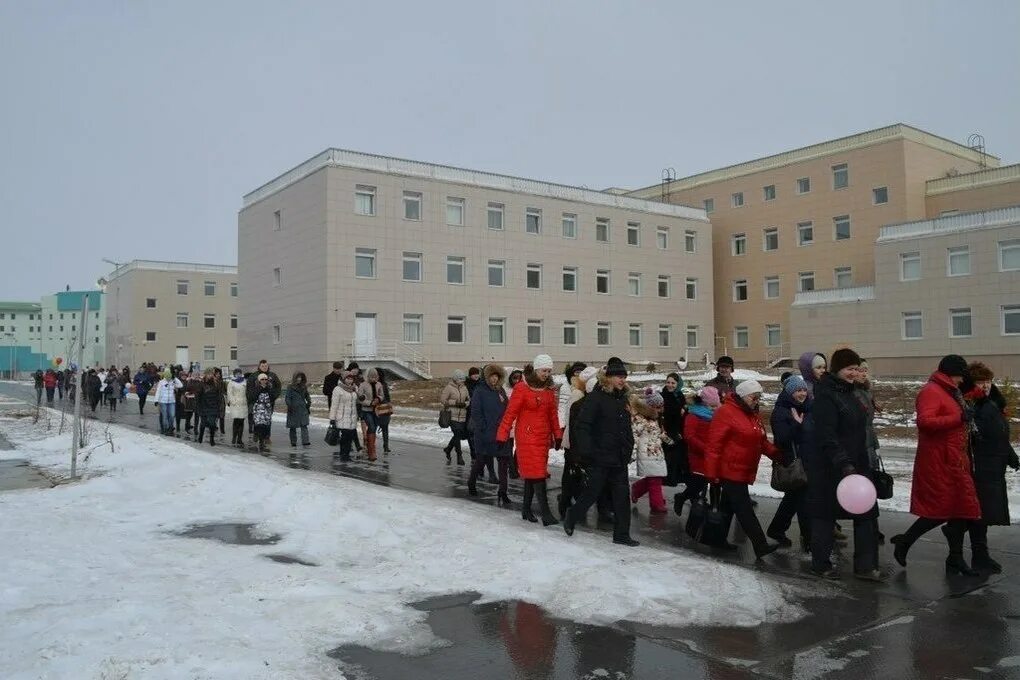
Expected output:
(95, 584)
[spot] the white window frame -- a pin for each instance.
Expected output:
(765, 288)
(233, 321)
(413, 198)
(874, 195)
(277, 277)
(153, 335)
(571, 273)
(533, 324)
(600, 224)
(233, 353)
(456, 260)
(495, 265)
(836, 221)
(801, 228)
(528, 214)
(801, 277)
(957, 251)
(606, 274)
(739, 331)
(632, 278)
(568, 223)
(662, 238)
(498, 323)
(608, 328)
(849, 271)
(180, 282)
(740, 238)
(765, 234)
(737, 199)
(277, 334)
(277, 220)
(690, 241)
(692, 330)
(911, 316)
(183, 316)
(209, 353)
(371, 255)
(206, 318)
(668, 330)
(741, 283)
(778, 329)
(567, 326)
(413, 258)
(691, 285)
(663, 279)
(631, 329)
(495, 209)
(1004, 311)
(363, 193)
(455, 320)
(837, 169)
(765, 192)
(233, 290)
(634, 228)
(530, 269)
(413, 322)
(456, 206)
(708, 205)
(960, 313)
(913, 256)
(206, 285)
(803, 182)
(1008, 246)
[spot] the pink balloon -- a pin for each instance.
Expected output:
(856, 494)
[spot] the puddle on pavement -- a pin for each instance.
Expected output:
(519, 640)
(289, 559)
(19, 474)
(233, 533)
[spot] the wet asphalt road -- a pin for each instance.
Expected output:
(920, 623)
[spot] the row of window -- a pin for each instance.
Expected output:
(208, 320)
(184, 287)
(365, 198)
(958, 261)
(840, 180)
(805, 235)
(412, 270)
(960, 323)
(209, 352)
(742, 336)
(842, 277)
(32, 317)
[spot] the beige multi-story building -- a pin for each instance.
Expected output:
(171, 312)
(808, 219)
(425, 268)
(945, 285)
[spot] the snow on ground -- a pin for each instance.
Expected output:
(101, 587)
(739, 375)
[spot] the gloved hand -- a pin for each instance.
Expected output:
(848, 469)
(558, 444)
(1013, 460)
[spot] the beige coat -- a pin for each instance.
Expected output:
(455, 397)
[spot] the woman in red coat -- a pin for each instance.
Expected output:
(696, 425)
(943, 488)
(736, 442)
(533, 415)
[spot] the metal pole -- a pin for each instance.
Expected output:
(79, 390)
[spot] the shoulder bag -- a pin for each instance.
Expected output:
(883, 481)
(445, 418)
(789, 477)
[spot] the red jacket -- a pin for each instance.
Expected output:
(533, 413)
(696, 436)
(943, 487)
(50, 380)
(736, 442)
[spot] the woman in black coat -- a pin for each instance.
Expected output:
(790, 427)
(992, 453)
(840, 449)
(674, 409)
(488, 403)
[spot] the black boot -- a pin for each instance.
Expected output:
(548, 519)
(503, 499)
(460, 458)
(529, 494)
(955, 564)
(447, 450)
(982, 561)
(562, 503)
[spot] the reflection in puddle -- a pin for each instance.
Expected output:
(289, 559)
(233, 533)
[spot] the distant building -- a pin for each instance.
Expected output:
(19, 338)
(172, 312)
(62, 327)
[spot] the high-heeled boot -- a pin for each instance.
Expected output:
(529, 494)
(548, 519)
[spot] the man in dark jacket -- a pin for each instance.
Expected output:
(723, 380)
(251, 389)
(606, 440)
(207, 407)
(330, 382)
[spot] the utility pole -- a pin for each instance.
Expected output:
(80, 389)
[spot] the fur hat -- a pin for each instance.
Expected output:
(953, 364)
(709, 396)
(542, 361)
(724, 361)
(978, 372)
(616, 367)
(794, 383)
(842, 358)
(749, 387)
(818, 361)
(491, 370)
(651, 397)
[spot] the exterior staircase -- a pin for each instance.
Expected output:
(397, 357)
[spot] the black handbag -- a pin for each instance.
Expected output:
(445, 418)
(332, 435)
(696, 519)
(789, 477)
(716, 526)
(883, 481)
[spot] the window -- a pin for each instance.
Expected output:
(841, 226)
(803, 185)
(958, 261)
(910, 266)
(806, 282)
(534, 331)
(805, 233)
(769, 192)
(843, 277)
(533, 221)
(633, 234)
(840, 176)
(364, 263)
(602, 281)
(209, 321)
(233, 290)
(209, 353)
(455, 211)
(603, 333)
(182, 289)
(412, 328)
(569, 223)
(740, 337)
(662, 238)
(277, 277)
(455, 329)
(1009, 256)
(495, 216)
(1010, 319)
(497, 330)
(210, 288)
(570, 279)
(602, 229)
(412, 267)
(277, 221)
(740, 290)
(569, 332)
(634, 334)
(912, 326)
(665, 330)
(773, 335)
(770, 239)
(182, 319)
(364, 200)
(771, 287)
(880, 195)
(738, 244)
(150, 336)
(412, 205)
(497, 271)
(709, 204)
(150, 303)
(692, 289)
(663, 286)
(634, 284)
(455, 269)
(692, 336)
(277, 335)
(690, 241)
(959, 323)
(737, 199)
(233, 354)
(233, 321)
(533, 276)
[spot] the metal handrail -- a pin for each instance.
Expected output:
(393, 350)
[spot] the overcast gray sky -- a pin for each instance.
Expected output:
(132, 129)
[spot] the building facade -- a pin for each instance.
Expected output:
(808, 219)
(945, 285)
(172, 312)
(19, 339)
(63, 327)
(433, 267)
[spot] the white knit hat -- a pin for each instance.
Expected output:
(749, 387)
(590, 384)
(542, 361)
(587, 374)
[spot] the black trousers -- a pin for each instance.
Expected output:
(865, 544)
(206, 423)
(616, 480)
(794, 504)
(237, 431)
(180, 415)
(481, 462)
(141, 403)
(737, 502)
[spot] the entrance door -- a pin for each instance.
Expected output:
(182, 357)
(364, 335)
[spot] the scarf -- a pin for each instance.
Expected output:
(701, 411)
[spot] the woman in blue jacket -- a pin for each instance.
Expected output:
(488, 403)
